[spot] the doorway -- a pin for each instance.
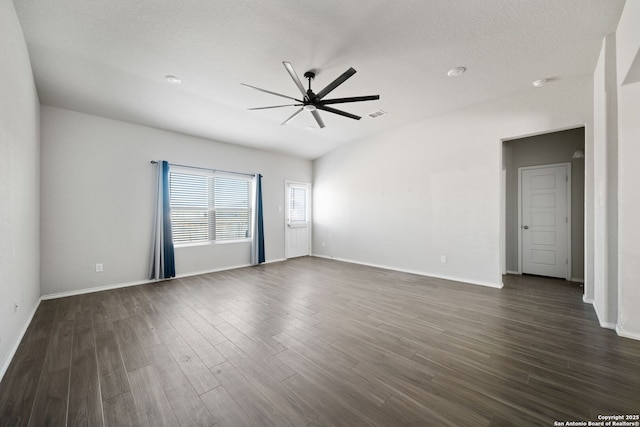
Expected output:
(561, 147)
(298, 219)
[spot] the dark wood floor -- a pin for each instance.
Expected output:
(314, 342)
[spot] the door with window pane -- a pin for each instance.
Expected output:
(298, 226)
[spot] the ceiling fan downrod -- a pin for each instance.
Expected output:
(310, 75)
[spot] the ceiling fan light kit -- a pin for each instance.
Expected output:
(313, 102)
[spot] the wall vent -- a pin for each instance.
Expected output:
(377, 113)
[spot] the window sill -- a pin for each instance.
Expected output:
(226, 242)
(209, 243)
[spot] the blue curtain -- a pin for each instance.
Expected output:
(163, 264)
(257, 237)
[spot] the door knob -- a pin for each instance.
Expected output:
(526, 227)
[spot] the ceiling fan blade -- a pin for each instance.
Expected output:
(339, 112)
(295, 78)
(274, 106)
(351, 99)
(292, 116)
(316, 116)
(337, 82)
(272, 93)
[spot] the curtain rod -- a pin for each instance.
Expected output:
(153, 162)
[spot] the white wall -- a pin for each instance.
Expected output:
(616, 195)
(19, 185)
(628, 51)
(605, 170)
(404, 198)
(598, 156)
(97, 199)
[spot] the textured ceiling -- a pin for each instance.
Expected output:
(109, 58)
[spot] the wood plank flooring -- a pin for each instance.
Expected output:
(315, 342)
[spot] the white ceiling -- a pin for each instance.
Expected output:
(109, 58)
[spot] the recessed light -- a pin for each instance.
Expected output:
(455, 72)
(540, 83)
(310, 107)
(173, 79)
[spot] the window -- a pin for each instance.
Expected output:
(298, 204)
(209, 206)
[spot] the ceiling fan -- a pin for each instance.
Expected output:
(315, 101)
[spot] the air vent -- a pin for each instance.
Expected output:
(377, 113)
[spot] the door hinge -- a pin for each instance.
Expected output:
(566, 219)
(566, 178)
(566, 261)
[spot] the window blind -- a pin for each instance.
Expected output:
(298, 204)
(206, 206)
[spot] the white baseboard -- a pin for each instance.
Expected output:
(14, 348)
(603, 324)
(94, 289)
(270, 261)
(419, 273)
(137, 283)
(609, 325)
(517, 273)
(215, 270)
(587, 300)
(627, 334)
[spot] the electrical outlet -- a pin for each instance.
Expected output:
(99, 268)
(323, 245)
(443, 258)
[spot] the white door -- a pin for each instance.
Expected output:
(298, 226)
(545, 220)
